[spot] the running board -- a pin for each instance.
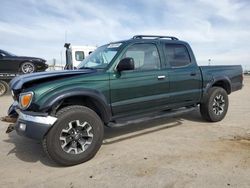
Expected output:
(152, 116)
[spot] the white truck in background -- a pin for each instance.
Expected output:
(75, 54)
(79, 53)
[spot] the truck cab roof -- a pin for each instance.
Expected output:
(152, 38)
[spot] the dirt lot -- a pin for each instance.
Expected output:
(173, 152)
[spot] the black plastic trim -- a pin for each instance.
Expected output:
(33, 130)
(84, 92)
(213, 81)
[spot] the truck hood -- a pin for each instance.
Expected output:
(18, 82)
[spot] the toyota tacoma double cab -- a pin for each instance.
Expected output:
(119, 82)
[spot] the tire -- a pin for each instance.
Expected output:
(28, 67)
(215, 107)
(55, 142)
(4, 87)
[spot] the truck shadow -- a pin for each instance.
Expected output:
(28, 150)
(31, 151)
(118, 134)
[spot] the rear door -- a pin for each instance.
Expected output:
(184, 74)
(144, 88)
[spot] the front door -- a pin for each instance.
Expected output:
(142, 89)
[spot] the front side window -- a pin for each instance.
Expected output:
(146, 56)
(177, 55)
(79, 55)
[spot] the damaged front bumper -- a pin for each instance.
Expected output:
(34, 125)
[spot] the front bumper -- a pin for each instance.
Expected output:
(33, 124)
(42, 67)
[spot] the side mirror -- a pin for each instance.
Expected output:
(126, 63)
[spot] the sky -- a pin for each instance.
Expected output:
(217, 30)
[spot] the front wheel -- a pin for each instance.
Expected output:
(215, 107)
(76, 136)
(28, 67)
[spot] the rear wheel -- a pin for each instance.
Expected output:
(4, 87)
(216, 105)
(76, 136)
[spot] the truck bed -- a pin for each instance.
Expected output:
(232, 73)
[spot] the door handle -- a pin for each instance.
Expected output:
(162, 77)
(193, 74)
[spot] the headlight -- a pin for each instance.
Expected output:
(25, 99)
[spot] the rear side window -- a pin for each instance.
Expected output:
(177, 55)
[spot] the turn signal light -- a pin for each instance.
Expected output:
(25, 99)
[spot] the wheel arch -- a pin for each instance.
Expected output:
(223, 83)
(220, 81)
(93, 99)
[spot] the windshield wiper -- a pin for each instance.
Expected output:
(91, 68)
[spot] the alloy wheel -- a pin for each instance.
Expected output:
(218, 104)
(76, 137)
(28, 68)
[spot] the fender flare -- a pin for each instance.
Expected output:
(213, 81)
(97, 96)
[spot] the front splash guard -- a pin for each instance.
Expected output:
(9, 119)
(10, 128)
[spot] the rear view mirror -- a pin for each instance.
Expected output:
(126, 63)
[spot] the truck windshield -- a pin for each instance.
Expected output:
(101, 57)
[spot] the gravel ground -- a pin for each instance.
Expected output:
(171, 152)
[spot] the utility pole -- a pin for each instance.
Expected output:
(65, 37)
(61, 56)
(209, 62)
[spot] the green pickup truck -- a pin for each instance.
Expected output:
(119, 83)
